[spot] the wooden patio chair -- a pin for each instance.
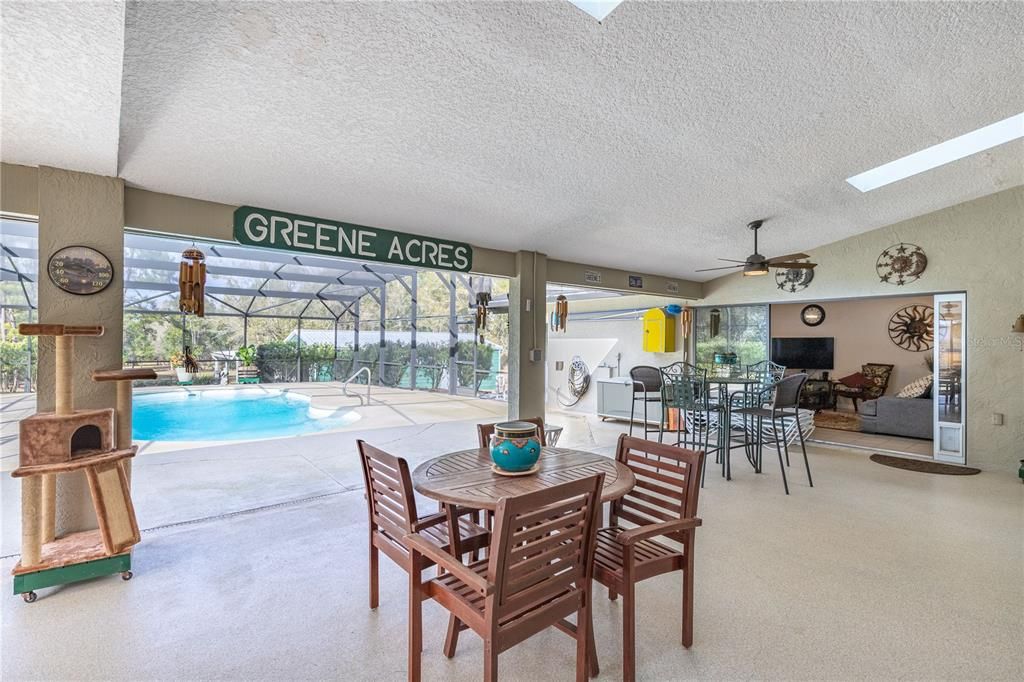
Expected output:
(392, 508)
(662, 503)
(485, 431)
(538, 572)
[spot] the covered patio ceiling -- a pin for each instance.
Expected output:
(651, 138)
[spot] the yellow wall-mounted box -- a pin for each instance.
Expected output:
(659, 331)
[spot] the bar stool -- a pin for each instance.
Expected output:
(647, 380)
(687, 391)
(784, 403)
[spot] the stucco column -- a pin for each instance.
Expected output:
(527, 331)
(88, 210)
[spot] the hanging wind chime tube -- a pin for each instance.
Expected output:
(192, 282)
(560, 314)
(483, 299)
(686, 327)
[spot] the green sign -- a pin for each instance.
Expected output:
(303, 234)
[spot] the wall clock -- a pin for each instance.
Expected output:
(912, 327)
(901, 263)
(80, 270)
(812, 315)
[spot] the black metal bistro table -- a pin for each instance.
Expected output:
(725, 425)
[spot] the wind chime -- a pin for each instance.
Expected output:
(560, 314)
(192, 282)
(483, 299)
(686, 326)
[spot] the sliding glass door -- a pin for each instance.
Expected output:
(948, 386)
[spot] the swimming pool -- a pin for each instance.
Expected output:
(230, 414)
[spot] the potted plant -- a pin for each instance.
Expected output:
(184, 365)
(247, 372)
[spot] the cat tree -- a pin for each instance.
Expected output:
(68, 440)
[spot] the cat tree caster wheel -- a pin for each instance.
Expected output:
(29, 597)
(127, 575)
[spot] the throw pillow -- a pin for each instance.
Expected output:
(855, 380)
(916, 389)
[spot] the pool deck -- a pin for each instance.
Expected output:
(386, 408)
(175, 482)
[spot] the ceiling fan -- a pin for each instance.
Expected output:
(756, 264)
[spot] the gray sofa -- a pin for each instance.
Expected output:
(911, 417)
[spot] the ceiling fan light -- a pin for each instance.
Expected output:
(753, 269)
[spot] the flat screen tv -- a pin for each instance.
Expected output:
(804, 352)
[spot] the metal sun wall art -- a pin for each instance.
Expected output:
(793, 279)
(912, 327)
(901, 263)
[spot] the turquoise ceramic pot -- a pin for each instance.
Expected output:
(515, 446)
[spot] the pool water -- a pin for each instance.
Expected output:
(232, 414)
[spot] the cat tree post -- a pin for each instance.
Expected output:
(64, 404)
(124, 379)
(31, 515)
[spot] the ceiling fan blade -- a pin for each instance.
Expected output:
(726, 267)
(791, 256)
(733, 260)
(795, 266)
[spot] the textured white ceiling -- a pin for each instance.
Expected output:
(61, 83)
(644, 142)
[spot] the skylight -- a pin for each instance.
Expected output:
(979, 140)
(598, 9)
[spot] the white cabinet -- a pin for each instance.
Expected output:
(615, 399)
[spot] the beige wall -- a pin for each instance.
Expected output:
(79, 208)
(861, 330)
(575, 274)
(977, 247)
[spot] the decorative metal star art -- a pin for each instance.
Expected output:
(901, 263)
(793, 279)
(912, 327)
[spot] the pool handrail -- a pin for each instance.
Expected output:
(369, 378)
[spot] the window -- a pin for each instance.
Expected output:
(742, 330)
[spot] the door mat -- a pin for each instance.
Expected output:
(923, 466)
(841, 421)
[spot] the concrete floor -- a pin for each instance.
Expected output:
(875, 442)
(176, 481)
(873, 573)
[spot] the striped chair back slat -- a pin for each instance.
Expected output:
(541, 549)
(389, 496)
(667, 482)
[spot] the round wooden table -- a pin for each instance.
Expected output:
(466, 479)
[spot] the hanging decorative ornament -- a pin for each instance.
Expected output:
(912, 327)
(686, 327)
(794, 279)
(901, 263)
(714, 322)
(192, 282)
(483, 299)
(560, 314)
